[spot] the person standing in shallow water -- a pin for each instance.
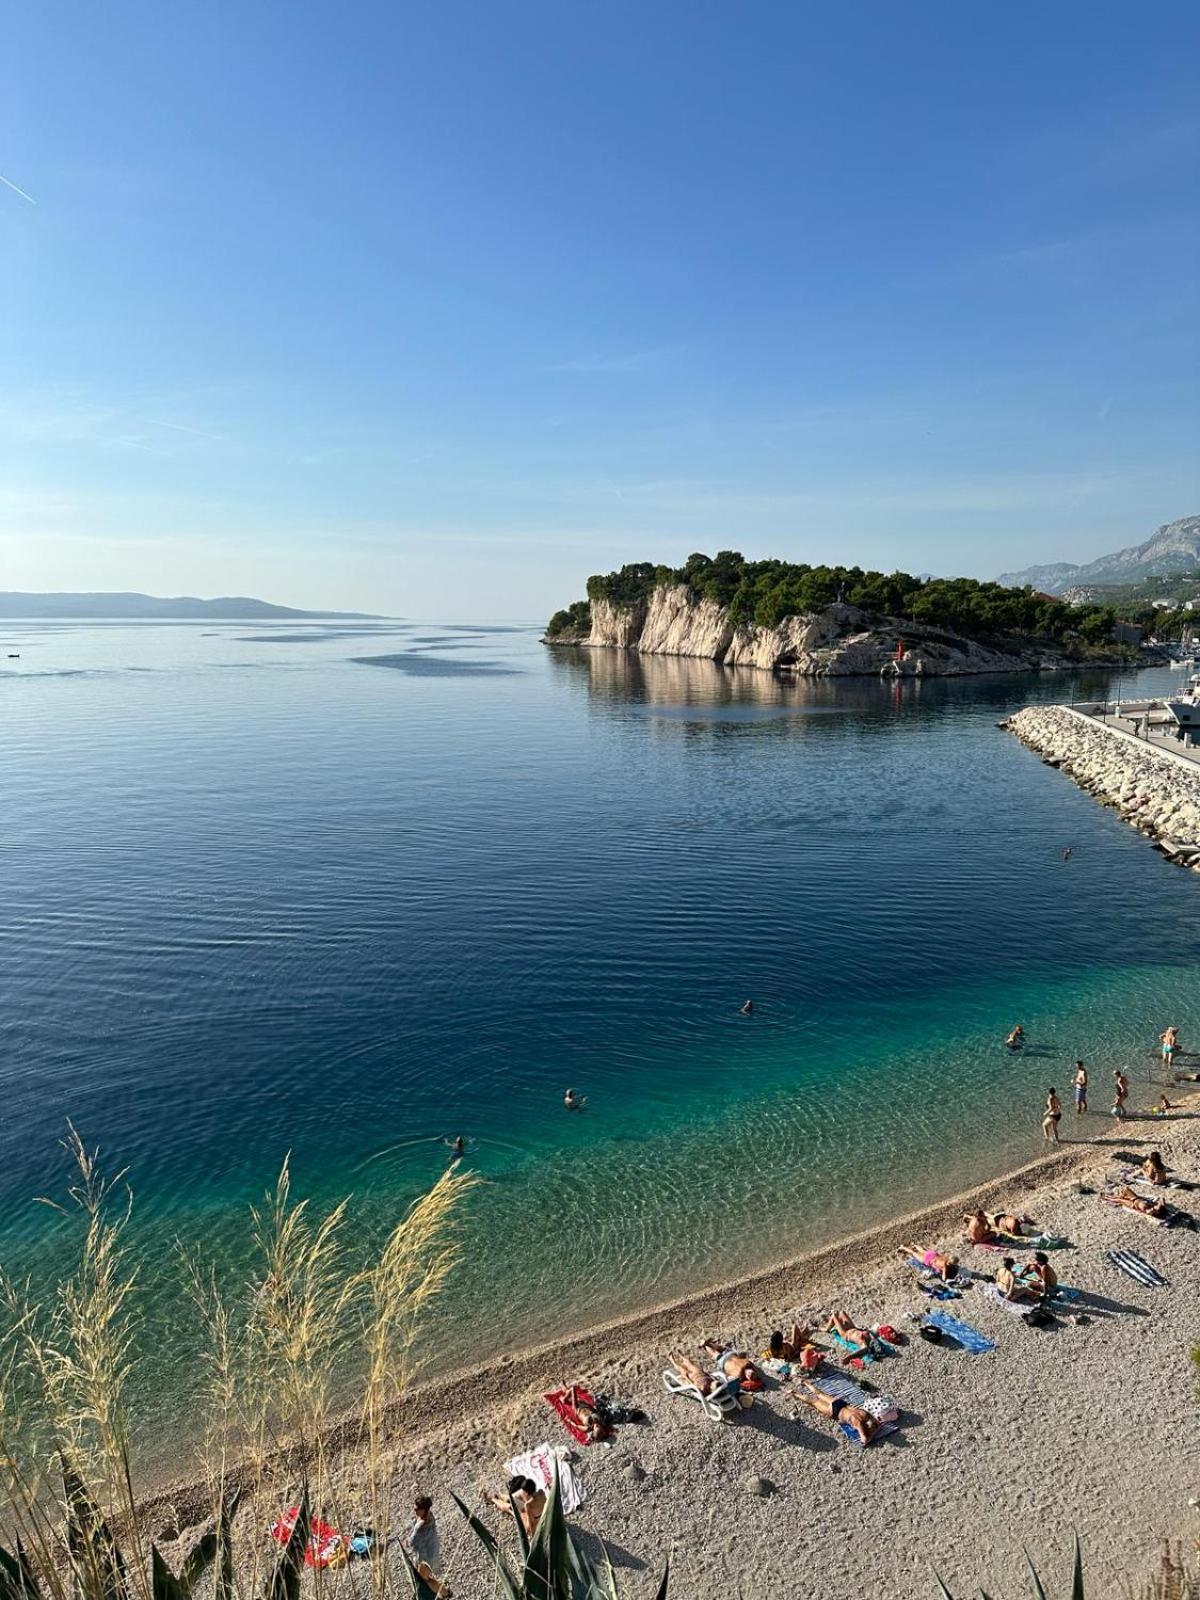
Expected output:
(1120, 1094)
(1051, 1120)
(1080, 1082)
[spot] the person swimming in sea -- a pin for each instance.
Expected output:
(574, 1102)
(458, 1148)
(748, 1009)
(1016, 1038)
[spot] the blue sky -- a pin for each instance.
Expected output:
(438, 309)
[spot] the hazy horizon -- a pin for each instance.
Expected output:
(437, 313)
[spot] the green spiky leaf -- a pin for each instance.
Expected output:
(548, 1561)
(488, 1540)
(1038, 1592)
(663, 1586)
(216, 1546)
(17, 1580)
(420, 1588)
(97, 1567)
(284, 1582)
(1077, 1573)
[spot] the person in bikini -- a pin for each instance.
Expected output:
(1010, 1286)
(945, 1266)
(791, 1348)
(843, 1324)
(1134, 1202)
(864, 1424)
(1052, 1117)
(979, 1229)
(1016, 1038)
(1015, 1226)
(529, 1500)
(1154, 1170)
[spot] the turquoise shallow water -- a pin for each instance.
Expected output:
(347, 892)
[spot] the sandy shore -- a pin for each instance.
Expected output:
(1087, 1425)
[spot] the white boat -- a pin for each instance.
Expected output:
(1185, 706)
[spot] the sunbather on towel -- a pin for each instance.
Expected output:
(946, 1267)
(1010, 1286)
(864, 1424)
(733, 1364)
(1134, 1202)
(1008, 1222)
(1154, 1170)
(792, 1348)
(1039, 1275)
(530, 1502)
(842, 1323)
(979, 1229)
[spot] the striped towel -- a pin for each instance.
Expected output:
(1135, 1267)
(877, 1404)
(972, 1341)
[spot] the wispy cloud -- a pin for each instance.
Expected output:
(16, 189)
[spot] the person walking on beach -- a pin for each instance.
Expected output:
(1120, 1094)
(1053, 1116)
(421, 1541)
(1079, 1082)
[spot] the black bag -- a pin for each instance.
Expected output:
(928, 1331)
(1038, 1317)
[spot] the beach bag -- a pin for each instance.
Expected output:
(1038, 1317)
(927, 1331)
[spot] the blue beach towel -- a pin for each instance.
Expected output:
(972, 1341)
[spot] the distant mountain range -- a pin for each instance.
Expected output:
(232, 608)
(1174, 548)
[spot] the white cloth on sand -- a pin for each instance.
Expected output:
(539, 1464)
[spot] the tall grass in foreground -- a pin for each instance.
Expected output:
(276, 1355)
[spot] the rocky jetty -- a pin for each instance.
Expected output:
(840, 641)
(1154, 789)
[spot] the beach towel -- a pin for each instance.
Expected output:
(930, 1278)
(972, 1341)
(326, 1546)
(939, 1291)
(881, 1406)
(566, 1403)
(540, 1464)
(1133, 1266)
(855, 1351)
(1136, 1175)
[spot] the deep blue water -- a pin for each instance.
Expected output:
(349, 891)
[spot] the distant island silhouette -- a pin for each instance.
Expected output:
(123, 606)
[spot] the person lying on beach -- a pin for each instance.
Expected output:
(1010, 1286)
(1016, 1227)
(791, 1348)
(864, 1424)
(1153, 1167)
(733, 1364)
(1016, 1038)
(1038, 1275)
(946, 1267)
(1134, 1202)
(529, 1500)
(843, 1324)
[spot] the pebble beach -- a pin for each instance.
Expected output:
(1087, 1425)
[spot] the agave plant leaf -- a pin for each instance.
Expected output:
(665, 1584)
(942, 1587)
(97, 1567)
(1077, 1573)
(548, 1561)
(17, 1580)
(1038, 1592)
(284, 1582)
(216, 1545)
(164, 1585)
(420, 1588)
(504, 1578)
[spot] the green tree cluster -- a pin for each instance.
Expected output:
(765, 592)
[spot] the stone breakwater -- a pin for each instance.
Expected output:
(1156, 791)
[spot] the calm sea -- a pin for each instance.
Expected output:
(349, 892)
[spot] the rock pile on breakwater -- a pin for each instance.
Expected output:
(1152, 789)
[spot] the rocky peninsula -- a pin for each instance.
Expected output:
(831, 621)
(1156, 790)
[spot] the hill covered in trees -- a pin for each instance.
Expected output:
(764, 593)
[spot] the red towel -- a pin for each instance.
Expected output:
(564, 1402)
(326, 1546)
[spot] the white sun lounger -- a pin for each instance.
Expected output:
(723, 1401)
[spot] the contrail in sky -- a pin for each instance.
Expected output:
(16, 189)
